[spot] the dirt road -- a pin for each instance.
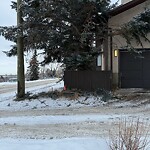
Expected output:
(4, 88)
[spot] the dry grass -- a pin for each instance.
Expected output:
(131, 135)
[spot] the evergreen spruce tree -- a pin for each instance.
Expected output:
(66, 30)
(33, 69)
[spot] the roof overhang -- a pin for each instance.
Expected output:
(125, 7)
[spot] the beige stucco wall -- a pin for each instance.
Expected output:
(125, 1)
(117, 41)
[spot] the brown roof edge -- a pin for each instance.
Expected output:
(125, 7)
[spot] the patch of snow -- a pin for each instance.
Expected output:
(7, 100)
(7, 83)
(15, 83)
(59, 119)
(55, 144)
(8, 103)
(45, 88)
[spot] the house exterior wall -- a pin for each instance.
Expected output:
(125, 1)
(117, 41)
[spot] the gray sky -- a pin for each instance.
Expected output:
(8, 17)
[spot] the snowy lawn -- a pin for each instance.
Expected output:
(79, 143)
(7, 103)
(7, 100)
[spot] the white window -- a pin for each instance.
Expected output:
(99, 60)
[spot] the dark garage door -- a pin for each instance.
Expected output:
(134, 71)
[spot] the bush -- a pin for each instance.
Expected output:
(106, 95)
(130, 136)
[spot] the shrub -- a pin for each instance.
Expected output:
(130, 136)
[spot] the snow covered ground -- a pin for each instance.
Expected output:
(57, 144)
(70, 124)
(7, 103)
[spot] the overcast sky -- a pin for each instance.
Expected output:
(8, 17)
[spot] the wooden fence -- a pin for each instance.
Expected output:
(88, 80)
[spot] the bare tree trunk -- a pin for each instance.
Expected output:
(20, 54)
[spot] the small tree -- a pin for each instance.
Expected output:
(33, 69)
